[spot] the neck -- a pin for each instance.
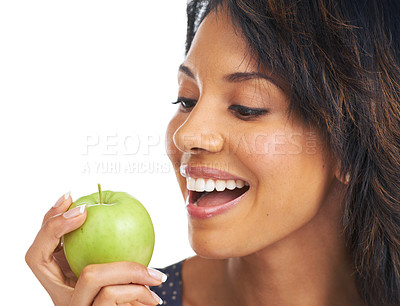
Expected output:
(309, 267)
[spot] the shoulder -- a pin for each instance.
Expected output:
(171, 290)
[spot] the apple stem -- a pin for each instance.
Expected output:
(100, 195)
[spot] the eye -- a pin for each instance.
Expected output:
(247, 113)
(186, 104)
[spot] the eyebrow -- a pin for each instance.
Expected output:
(233, 77)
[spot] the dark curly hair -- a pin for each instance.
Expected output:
(340, 59)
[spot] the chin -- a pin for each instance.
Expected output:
(208, 253)
(213, 246)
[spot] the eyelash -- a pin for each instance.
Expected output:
(182, 101)
(240, 111)
(247, 113)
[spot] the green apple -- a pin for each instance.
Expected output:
(117, 228)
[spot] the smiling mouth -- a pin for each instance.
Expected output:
(206, 193)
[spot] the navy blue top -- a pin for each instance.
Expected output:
(170, 291)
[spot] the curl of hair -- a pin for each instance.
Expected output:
(341, 61)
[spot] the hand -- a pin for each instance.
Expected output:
(118, 283)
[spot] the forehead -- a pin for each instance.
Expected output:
(218, 45)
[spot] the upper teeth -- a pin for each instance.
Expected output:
(201, 184)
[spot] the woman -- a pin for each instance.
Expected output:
(286, 147)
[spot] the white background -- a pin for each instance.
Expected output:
(76, 77)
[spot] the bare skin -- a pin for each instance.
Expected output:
(119, 283)
(282, 244)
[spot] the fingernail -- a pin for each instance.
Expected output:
(158, 275)
(62, 199)
(157, 298)
(74, 211)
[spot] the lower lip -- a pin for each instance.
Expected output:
(212, 211)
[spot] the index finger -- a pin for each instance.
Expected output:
(62, 205)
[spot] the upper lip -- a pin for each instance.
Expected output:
(187, 170)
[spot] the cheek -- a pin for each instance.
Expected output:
(291, 176)
(265, 151)
(281, 151)
(291, 170)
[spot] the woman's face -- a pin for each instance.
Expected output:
(236, 121)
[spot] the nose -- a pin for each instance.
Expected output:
(200, 132)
